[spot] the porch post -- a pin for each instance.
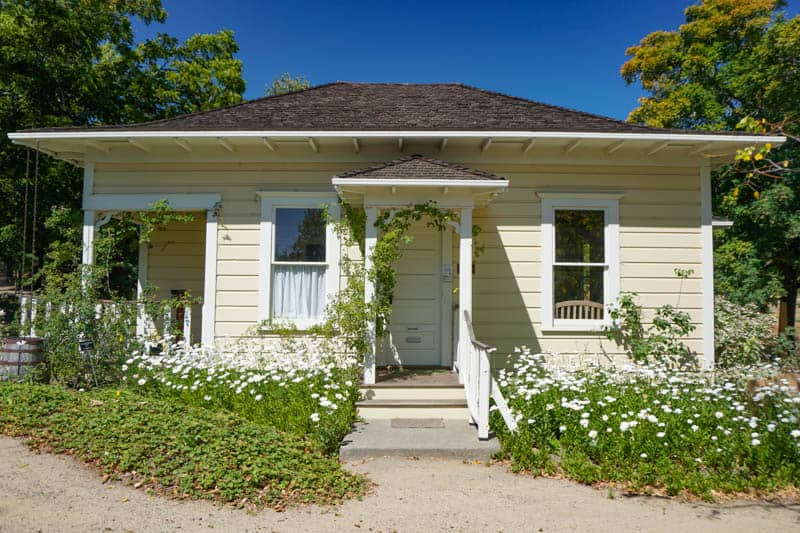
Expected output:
(370, 240)
(210, 279)
(89, 218)
(464, 286)
(707, 238)
(141, 283)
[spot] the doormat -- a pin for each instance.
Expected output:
(417, 423)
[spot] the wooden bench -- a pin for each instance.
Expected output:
(579, 310)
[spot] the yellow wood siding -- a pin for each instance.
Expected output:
(176, 261)
(659, 231)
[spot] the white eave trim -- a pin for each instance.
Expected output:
(134, 134)
(389, 182)
(143, 202)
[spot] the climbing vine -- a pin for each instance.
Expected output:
(348, 314)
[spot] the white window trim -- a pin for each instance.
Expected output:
(271, 201)
(609, 204)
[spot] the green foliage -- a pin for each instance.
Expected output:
(72, 317)
(286, 398)
(734, 64)
(741, 275)
(176, 450)
(661, 341)
(80, 302)
(743, 334)
(287, 84)
(76, 63)
(651, 430)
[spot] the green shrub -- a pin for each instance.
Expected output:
(174, 449)
(743, 334)
(303, 385)
(661, 341)
(648, 427)
(69, 311)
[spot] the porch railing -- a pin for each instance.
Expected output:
(479, 384)
(32, 305)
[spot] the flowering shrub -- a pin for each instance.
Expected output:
(742, 333)
(307, 386)
(653, 428)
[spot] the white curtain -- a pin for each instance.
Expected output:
(298, 291)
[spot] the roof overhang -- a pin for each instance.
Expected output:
(79, 146)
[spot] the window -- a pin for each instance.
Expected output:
(300, 256)
(580, 259)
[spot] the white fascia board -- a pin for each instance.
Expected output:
(666, 137)
(493, 184)
(143, 202)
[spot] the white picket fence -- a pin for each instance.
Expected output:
(31, 306)
(479, 384)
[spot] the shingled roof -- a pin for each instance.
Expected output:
(346, 106)
(419, 167)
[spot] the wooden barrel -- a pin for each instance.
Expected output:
(19, 356)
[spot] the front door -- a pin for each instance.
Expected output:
(416, 322)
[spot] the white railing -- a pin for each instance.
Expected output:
(479, 385)
(31, 305)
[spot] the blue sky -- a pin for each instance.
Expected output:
(563, 52)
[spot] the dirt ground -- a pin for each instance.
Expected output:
(55, 493)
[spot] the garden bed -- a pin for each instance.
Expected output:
(176, 450)
(654, 431)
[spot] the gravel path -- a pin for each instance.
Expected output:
(56, 493)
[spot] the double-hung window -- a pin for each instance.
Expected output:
(299, 258)
(580, 259)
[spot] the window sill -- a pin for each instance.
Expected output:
(594, 327)
(288, 326)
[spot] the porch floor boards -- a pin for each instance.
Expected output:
(416, 377)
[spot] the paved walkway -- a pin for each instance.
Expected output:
(418, 438)
(55, 493)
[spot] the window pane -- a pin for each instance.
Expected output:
(579, 236)
(298, 291)
(578, 292)
(299, 235)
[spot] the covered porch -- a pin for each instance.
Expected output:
(432, 304)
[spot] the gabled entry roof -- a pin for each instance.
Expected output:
(416, 167)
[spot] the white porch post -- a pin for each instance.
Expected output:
(89, 218)
(707, 238)
(464, 286)
(141, 283)
(370, 240)
(210, 279)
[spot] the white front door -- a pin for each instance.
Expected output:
(417, 309)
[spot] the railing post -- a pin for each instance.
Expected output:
(34, 305)
(23, 312)
(484, 382)
(187, 325)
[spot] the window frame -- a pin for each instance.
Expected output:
(608, 203)
(270, 202)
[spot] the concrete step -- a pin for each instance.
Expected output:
(453, 439)
(453, 409)
(412, 393)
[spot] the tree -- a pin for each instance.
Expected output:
(76, 63)
(736, 63)
(287, 84)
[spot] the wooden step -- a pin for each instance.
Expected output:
(370, 392)
(413, 408)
